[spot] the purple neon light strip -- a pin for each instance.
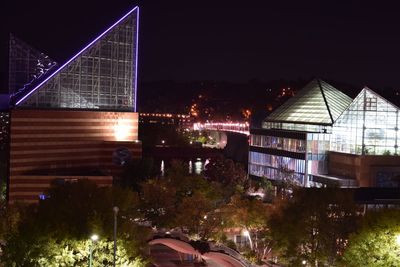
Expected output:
(136, 60)
(78, 54)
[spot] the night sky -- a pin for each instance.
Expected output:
(351, 41)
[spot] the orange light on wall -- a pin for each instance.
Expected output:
(122, 130)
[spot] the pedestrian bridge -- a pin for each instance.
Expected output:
(235, 127)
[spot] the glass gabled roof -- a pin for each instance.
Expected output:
(317, 103)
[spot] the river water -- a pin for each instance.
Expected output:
(195, 166)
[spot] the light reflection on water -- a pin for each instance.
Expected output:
(190, 167)
(162, 168)
(197, 166)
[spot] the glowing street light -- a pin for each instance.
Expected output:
(246, 233)
(398, 239)
(94, 238)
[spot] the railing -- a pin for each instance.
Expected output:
(236, 127)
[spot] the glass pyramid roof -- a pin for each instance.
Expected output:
(103, 75)
(317, 103)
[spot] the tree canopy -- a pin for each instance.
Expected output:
(313, 225)
(376, 242)
(56, 232)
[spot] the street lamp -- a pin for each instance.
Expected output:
(115, 209)
(398, 239)
(94, 238)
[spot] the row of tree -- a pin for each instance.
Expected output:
(57, 230)
(324, 227)
(312, 227)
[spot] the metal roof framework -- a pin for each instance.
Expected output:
(103, 75)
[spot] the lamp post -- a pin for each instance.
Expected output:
(247, 234)
(115, 209)
(94, 238)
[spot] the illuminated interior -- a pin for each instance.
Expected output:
(331, 121)
(277, 153)
(368, 127)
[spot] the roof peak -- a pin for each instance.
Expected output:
(317, 102)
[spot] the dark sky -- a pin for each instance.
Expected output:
(349, 41)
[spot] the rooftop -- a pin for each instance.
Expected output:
(317, 103)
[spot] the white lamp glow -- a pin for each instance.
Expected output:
(94, 237)
(398, 239)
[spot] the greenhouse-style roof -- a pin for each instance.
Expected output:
(317, 103)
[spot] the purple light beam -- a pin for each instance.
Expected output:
(136, 60)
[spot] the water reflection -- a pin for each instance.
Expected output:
(197, 167)
(162, 168)
(190, 167)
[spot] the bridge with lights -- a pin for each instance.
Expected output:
(235, 127)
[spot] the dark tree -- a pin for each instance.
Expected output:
(314, 225)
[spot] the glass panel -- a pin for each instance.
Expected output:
(368, 126)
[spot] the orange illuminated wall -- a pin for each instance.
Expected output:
(46, 141)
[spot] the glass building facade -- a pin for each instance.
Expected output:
(369, 126)
(103, 75)
(294, 139)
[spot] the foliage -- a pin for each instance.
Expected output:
(200, 246)
(57, 230)
(182, 200)
(288, 182)
(265, 186)
(314, 225)
(229, 174)
(158, 202)
(374, 244)
(192, 213)
(252, 215)
(3, 183)
(137, 171)
(9, 218)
